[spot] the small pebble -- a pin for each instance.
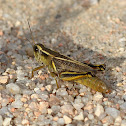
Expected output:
(62, 92)
(13, 88)
(78, 106)
(1, 87)
(112, 112)
(49, 88)
(108, 119)
(53, 82)
(4, 102)
(55, 109)
(4, 110)
(33, 105)
(6, 121)
(91, 116)
(99, 110)
(85, 100)
(43, 107)
(123, 106)
(88, 107)
(53, 100)
(49, 111)
(67, 109)
(61, 121)
(35, 96)
(25, 122)
(118, 121)
(97, 96)
(23, 99)
(17, 104)
(79, 117)
(55, 118)
(4, 79)
(67, 120)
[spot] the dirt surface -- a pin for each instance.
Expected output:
(89, 31)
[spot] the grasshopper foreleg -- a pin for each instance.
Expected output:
(35, 69)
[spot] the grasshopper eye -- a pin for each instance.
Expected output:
(35, 48)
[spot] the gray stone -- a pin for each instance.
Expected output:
(112, 112)
(13, 88)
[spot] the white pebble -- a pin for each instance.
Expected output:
(62, 92)
(118, 121)
(17, 104)
(21, 75)
(25, 122)
(13, 88)
(99, 110)
(61, 121)
(49, 111)
(49, 87)
(4, 79)
(6, 121)
(67, 109)
(55, 109)
(112, 112)
(67, 119)
(91, 116)
(36, 89)
(78, 106)
(97, 96)
(78, 99)
(43, 96)
(85, 100)
(79, 117)
(4, 102)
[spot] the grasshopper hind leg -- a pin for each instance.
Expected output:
(87, 79)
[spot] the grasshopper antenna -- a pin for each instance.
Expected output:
(31, 31)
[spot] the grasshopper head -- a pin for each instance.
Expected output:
(39, 53)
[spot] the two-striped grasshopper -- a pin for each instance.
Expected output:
(67, 69)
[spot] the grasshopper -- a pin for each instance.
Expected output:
(68, 69)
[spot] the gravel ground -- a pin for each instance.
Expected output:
(86, 30)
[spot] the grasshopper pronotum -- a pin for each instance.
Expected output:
(67, 69)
